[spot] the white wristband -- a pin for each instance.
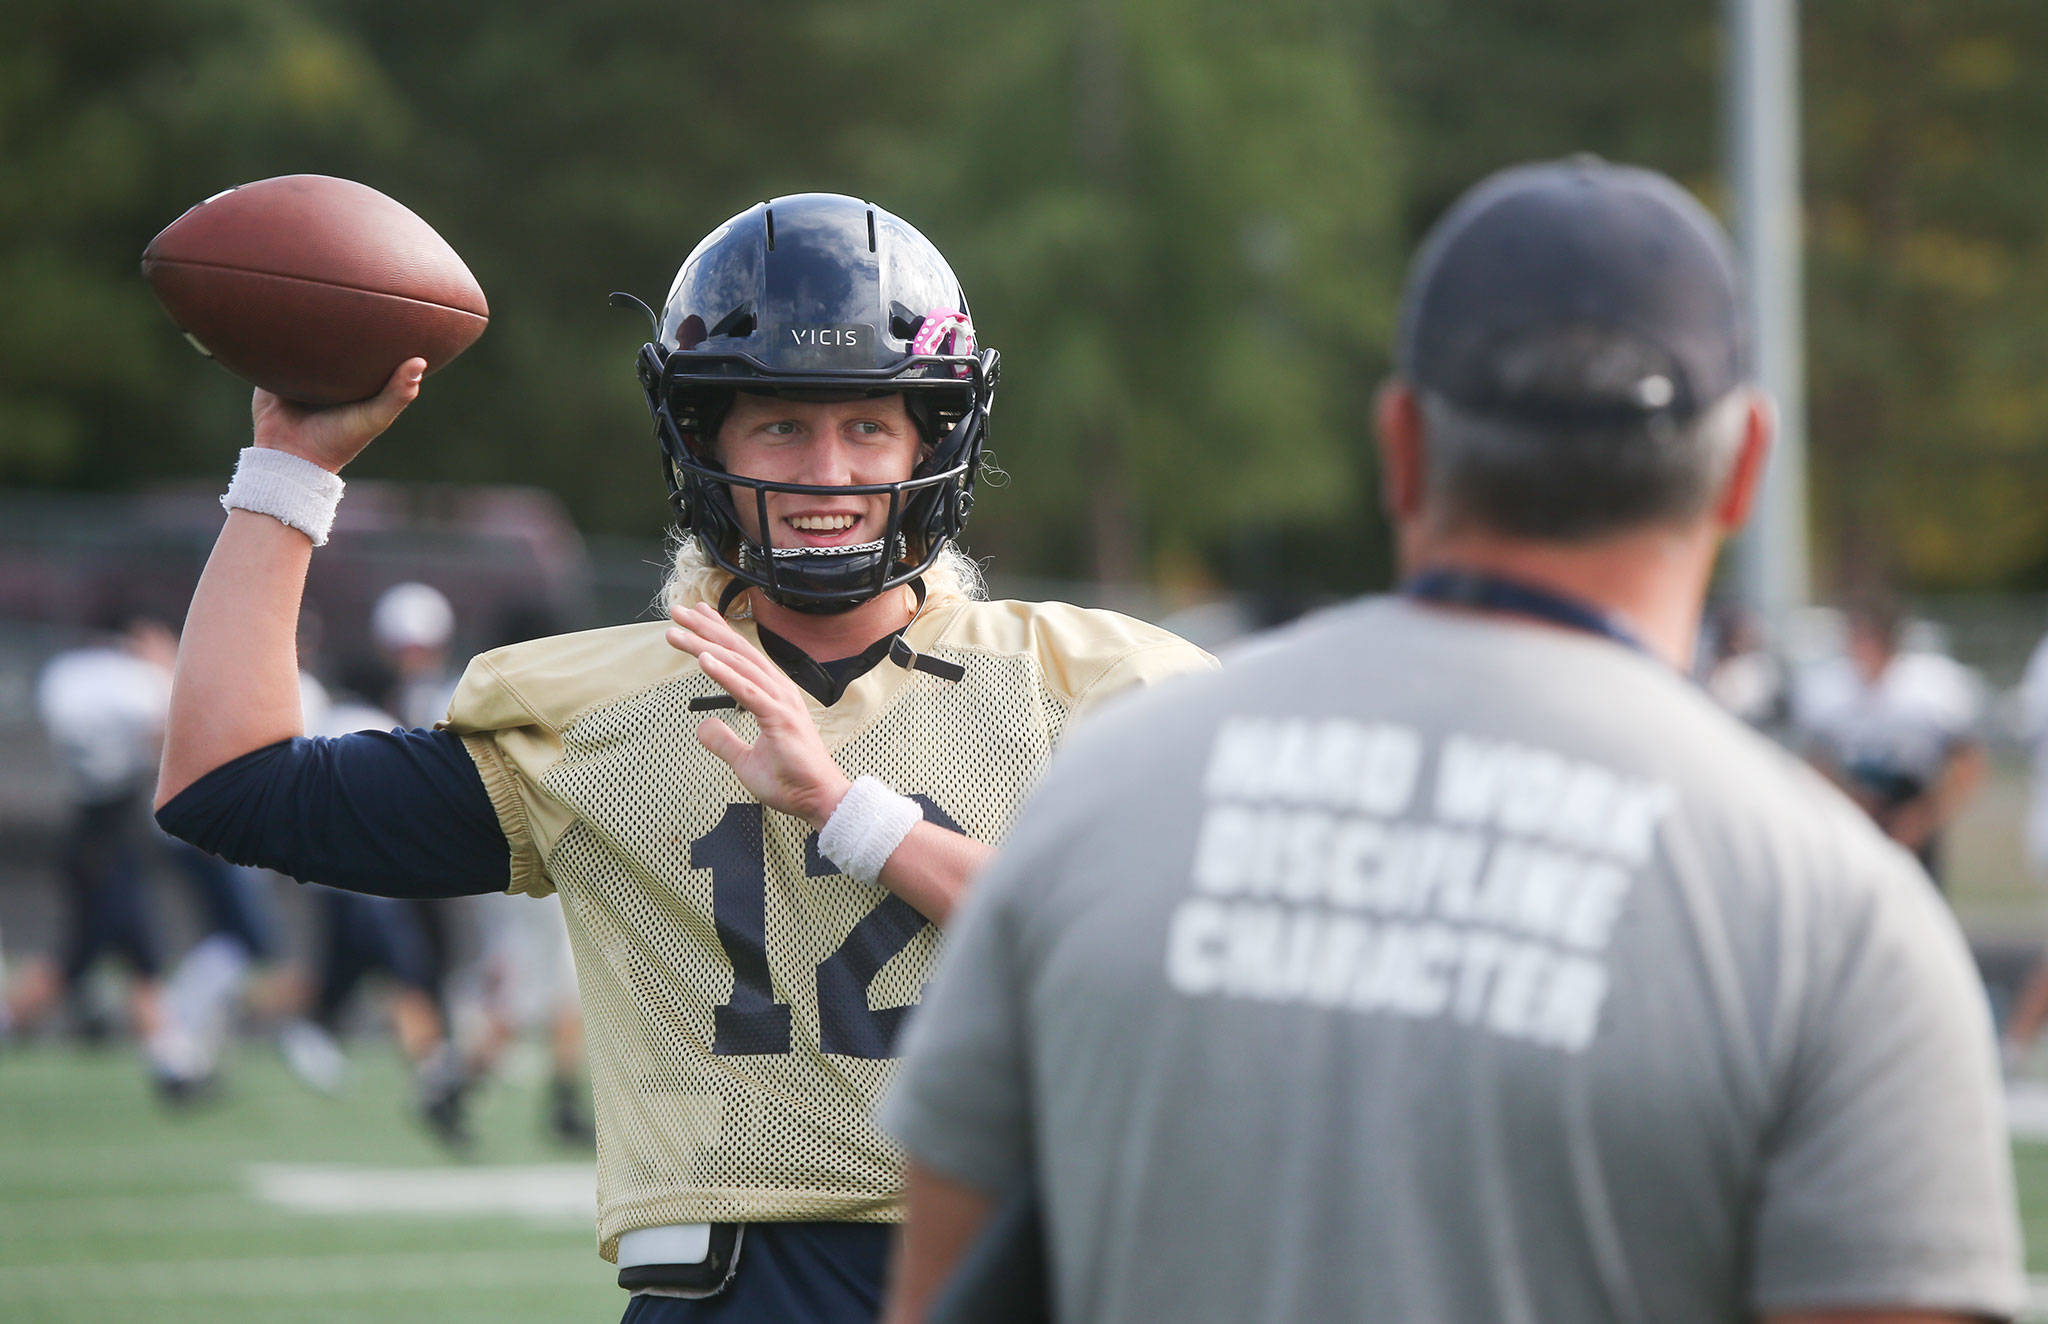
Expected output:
(866, 828)
(288, 489)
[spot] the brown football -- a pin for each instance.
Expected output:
(313, 287)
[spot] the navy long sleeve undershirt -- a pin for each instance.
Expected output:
(392, 813)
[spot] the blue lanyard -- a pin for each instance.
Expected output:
(1486, 592)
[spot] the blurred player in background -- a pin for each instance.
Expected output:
(2032, 724)
(2029, 1014)
(528, 983)
(1896, 728)
(1454, 958)
(238, 941)
(412, 625)
(754, 813)
(102, 708)
(525, 976)
(357, 936)
(1744, 675)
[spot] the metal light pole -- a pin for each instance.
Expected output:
(1763, 134)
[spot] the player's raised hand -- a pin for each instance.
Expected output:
(333, 436)
(786, 767)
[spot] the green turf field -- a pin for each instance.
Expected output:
(275, 1203)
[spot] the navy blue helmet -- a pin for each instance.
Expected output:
(820, 295)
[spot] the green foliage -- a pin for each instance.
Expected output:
(1177, 223)
(1927, 208)
(113, 118)
(1926, 225)
(1183, 223)
(1481, 87)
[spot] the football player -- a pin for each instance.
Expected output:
(526, 976)
(356, 936)
(754, 813)
(1898, 728)
(102, 707)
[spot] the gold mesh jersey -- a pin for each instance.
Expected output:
(741, 997)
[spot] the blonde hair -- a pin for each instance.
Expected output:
(692, 578)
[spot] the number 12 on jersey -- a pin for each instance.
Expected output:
(751, 1021)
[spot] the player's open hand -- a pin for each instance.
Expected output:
(333, 436)
(786, 768)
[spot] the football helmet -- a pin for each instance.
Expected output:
(825, 295)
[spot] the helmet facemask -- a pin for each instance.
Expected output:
(863, 340)
(925, 511)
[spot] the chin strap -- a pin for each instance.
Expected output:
(900, 651)
(903, 655)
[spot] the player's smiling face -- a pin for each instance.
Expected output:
(835, 443)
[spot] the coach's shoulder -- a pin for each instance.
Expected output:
(547, 682)
(1084, 653)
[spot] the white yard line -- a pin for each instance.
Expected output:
(2026, 1109)
(554, 1193)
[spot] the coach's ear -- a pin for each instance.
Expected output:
(1752, 462)
(1397, 414)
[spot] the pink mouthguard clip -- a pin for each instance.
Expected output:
(936, 326)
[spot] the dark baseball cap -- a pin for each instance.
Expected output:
(1575, 291)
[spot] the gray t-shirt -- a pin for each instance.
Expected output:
(1430, 967)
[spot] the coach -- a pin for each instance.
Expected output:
(1452, 958)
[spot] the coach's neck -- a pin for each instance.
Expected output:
(1654, 582)
(1653, 579)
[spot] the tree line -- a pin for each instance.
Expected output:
(1184, 224)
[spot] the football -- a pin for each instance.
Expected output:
(313, 287)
